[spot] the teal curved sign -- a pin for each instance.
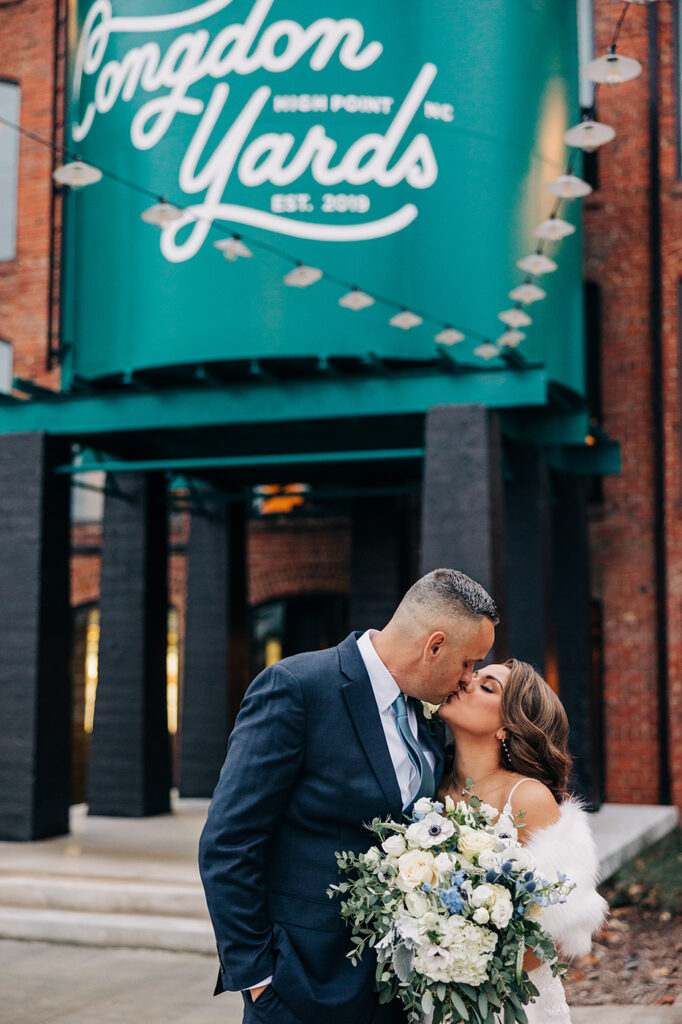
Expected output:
(401, 147)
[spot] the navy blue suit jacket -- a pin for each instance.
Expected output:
(307, 765)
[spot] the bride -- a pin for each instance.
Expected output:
(510, 750)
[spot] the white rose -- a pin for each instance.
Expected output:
(417, 867)
(423, 806)
(489, 860)
(482, 895)
(502, 910)
(372, 857)
(449, 804)
(432, 830)
(444, 864)
(488, 811)
(481, 916)
(472, 841)
(394, 846)
(417, 903)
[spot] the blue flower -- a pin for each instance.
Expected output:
(438, 806)
(491, 875)
(507, 867)
(452, 899)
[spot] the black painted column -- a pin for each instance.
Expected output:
(205, 711)
(130, 766)
(35, 635)
(572, 625)
(379, 561)
(463, 501)
(528, 552)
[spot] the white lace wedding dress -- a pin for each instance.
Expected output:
(566, 846)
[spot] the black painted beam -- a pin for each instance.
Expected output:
(35, 635)
(130, 766)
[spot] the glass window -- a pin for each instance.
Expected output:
(9, 161)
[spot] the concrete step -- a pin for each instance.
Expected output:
(101, 895)
(138, 931)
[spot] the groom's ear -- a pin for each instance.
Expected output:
(434, 645)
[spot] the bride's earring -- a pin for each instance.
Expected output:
(505, 747)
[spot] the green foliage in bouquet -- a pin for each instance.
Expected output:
(450, 903)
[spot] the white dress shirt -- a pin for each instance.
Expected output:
(385, 692)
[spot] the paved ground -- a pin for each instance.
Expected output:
(42, 983)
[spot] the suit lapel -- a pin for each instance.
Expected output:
(431, 742)
(364, 713)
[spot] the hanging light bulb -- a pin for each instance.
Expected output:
(77, 174)
(514, 318)
(405, 320)
(568, 186)
(510, 339)
(487, 350)
(161, 214)
(589, 135)
(537, 263)
(612, 69)
(554, 229)
(302, 276)
(233, 248)
(449, 336)
(355, 299)
(527, 293)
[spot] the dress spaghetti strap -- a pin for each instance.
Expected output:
(508, 807)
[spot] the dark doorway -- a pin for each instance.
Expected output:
(309, 622)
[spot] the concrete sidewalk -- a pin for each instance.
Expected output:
(45, 983)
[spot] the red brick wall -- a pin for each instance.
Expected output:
(26, 56)
(671, 211)
(617, 257)
(298, 556)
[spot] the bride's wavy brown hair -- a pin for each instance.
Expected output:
(537, 729)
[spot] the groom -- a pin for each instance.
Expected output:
(324, 742)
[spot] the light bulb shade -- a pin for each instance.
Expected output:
(76, 174)
(514, 318)
(510, 339)
(612, 69)
(449, 336)
(486, 350)
(233, 248)
(537, 263)
(527, 293)
(6, 367)
(554, 229)
(356, 300)
(568, 186)
(302, 276)
(161, 214)
(405, 320)
(589, 135)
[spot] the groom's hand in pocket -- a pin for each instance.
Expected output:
(256, 993)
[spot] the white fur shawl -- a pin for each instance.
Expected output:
(567, 846)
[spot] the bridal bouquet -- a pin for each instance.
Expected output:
(450, 902)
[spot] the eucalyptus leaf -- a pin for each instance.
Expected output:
(459, 1005)
(427, 1002)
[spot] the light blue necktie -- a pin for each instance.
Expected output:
(427, 783)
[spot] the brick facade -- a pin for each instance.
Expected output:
(618, 248)
(291, 556)
(27, 37)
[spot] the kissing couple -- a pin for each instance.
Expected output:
(329, 740)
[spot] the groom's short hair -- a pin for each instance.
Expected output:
(448, 590)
